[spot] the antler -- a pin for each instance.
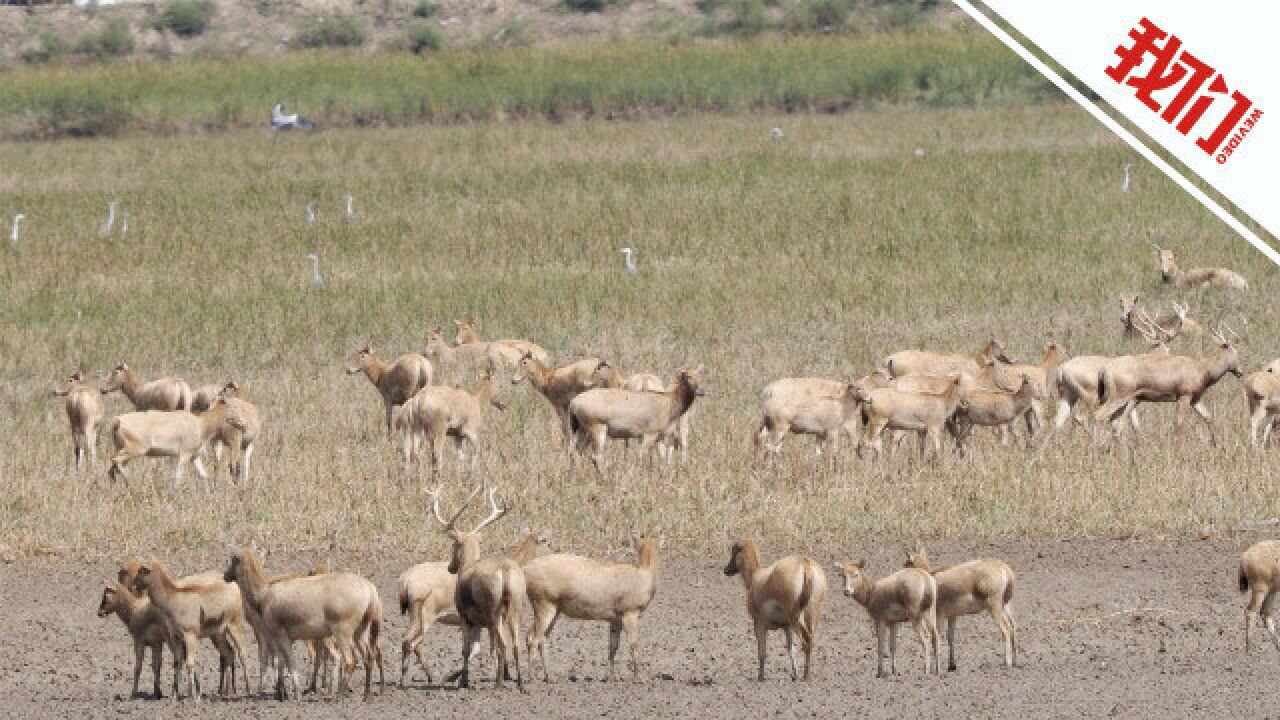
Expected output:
(435, 507)
(494, 516)
(1152, 332)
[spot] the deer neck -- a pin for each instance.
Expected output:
(682, 397)
(252, 582)
(541, 375)
(212, 419)
(748, 562)
(129, 607)
(862, 593)
(526, 550)
(160, 589)
(484, 391)
(375, 370)
(1216, 365)
(648, 557)
(468, 551)
(129, 384)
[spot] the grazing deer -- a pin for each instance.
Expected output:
(397, 382)
(586, 589)
(908, 595)
(1197, 278)
(1183, 379)
(438, 411)
(84, 413)
(971, 588)
(807, 406)
(786, 596)
(920, 362)
(490, 592)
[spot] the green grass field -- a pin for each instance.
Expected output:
(633, 79)
(815, 256)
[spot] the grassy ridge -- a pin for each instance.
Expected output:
(594, 80)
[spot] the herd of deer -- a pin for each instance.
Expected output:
(339, 615)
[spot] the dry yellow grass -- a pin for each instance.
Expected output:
(818, 255)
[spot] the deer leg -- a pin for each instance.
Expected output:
(791, 652)
(615, 637)
(893, 648)
(1198, 406)
(630, 626)
(138, 651)
(762, 634)
(880, 642)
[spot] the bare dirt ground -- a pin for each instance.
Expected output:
(1107, 628)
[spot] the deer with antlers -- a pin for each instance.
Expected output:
(1183, 379)
(490, 592)
(1078, 379)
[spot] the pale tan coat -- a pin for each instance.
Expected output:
(908, 595)
(396, 382)
(786, 595)
(585, 589)
(167, 393)
(84, 414)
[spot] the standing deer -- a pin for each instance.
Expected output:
(490, 593)
(396, 382)
(1183, 379)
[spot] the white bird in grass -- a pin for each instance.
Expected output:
(124, 223)
(351, 213)
(280, 121)
(1124, 187)
(776, 134)
(311, 213)
(13, 236)
(110, 222)
(315, 271)
(631, 264)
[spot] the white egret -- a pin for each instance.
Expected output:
(776, 134)
(1124, 186)
(110, 222)
(124, 223)
(280, 121)
(351, 213)
(311, 213)
(316, 280)
(631, 264)
(13, 236)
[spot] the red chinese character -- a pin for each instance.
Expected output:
(1144, 43)
(1210, 144)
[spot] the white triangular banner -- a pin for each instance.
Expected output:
(1197, 78)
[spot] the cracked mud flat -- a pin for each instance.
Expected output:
(1106, 628)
